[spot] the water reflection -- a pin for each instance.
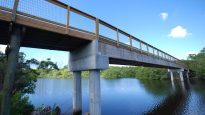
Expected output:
(157, 87)
(128, 96)
(184, 101)
(173, 85)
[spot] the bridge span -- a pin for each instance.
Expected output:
(25, 24)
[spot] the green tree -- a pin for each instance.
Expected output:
(196, 62)
(47, 65)
(24, 83)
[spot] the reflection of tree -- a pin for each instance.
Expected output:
(173, 104)
(198, 86)
(156, 87)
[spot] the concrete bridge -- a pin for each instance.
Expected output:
(27, 24)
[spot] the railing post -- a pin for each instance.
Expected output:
(147, 48)
(158, 53)
(97, 28)
(117, 38)
(153, 51)
(141, 45)
(67, 20)
(15, 7)
(130, 42)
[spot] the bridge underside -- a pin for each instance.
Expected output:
(123, 55)
(136, 63)
(37, 38)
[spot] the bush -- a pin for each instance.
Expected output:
(21, 105)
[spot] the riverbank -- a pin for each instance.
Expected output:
(111, 73)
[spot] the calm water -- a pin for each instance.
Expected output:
(127, 96)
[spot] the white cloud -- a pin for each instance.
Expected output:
(179, 32)
(164, 15)
(2, 48)
(190, 52)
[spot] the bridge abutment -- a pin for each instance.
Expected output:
(88, 58)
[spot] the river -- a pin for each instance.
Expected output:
(127, 96)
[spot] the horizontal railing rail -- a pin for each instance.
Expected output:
(149, 50)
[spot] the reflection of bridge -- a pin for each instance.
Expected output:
(26, 23)
(174, 103)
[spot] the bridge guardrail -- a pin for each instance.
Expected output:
(63, 19)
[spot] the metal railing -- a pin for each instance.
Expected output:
(59, 14)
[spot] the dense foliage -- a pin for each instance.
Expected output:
(135, 72)
(24, 84)
(196, 62)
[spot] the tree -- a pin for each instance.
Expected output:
(24, 82)
(47, 65)
(197, 63)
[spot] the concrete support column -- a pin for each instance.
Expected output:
(94, 90)
(171, 75)
(16, 37)
(181, 76)
(77, 93)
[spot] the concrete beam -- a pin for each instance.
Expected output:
(88, 58)
(77, 93)
(94, 90)
(135, 56)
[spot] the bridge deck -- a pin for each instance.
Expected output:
(47, 34)
(41, 33)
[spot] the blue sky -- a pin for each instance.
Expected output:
(174, 26)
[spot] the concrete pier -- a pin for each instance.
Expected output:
(181, 75)
(94, 90)
(89, 58)
(171, 75)
(77, 93)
